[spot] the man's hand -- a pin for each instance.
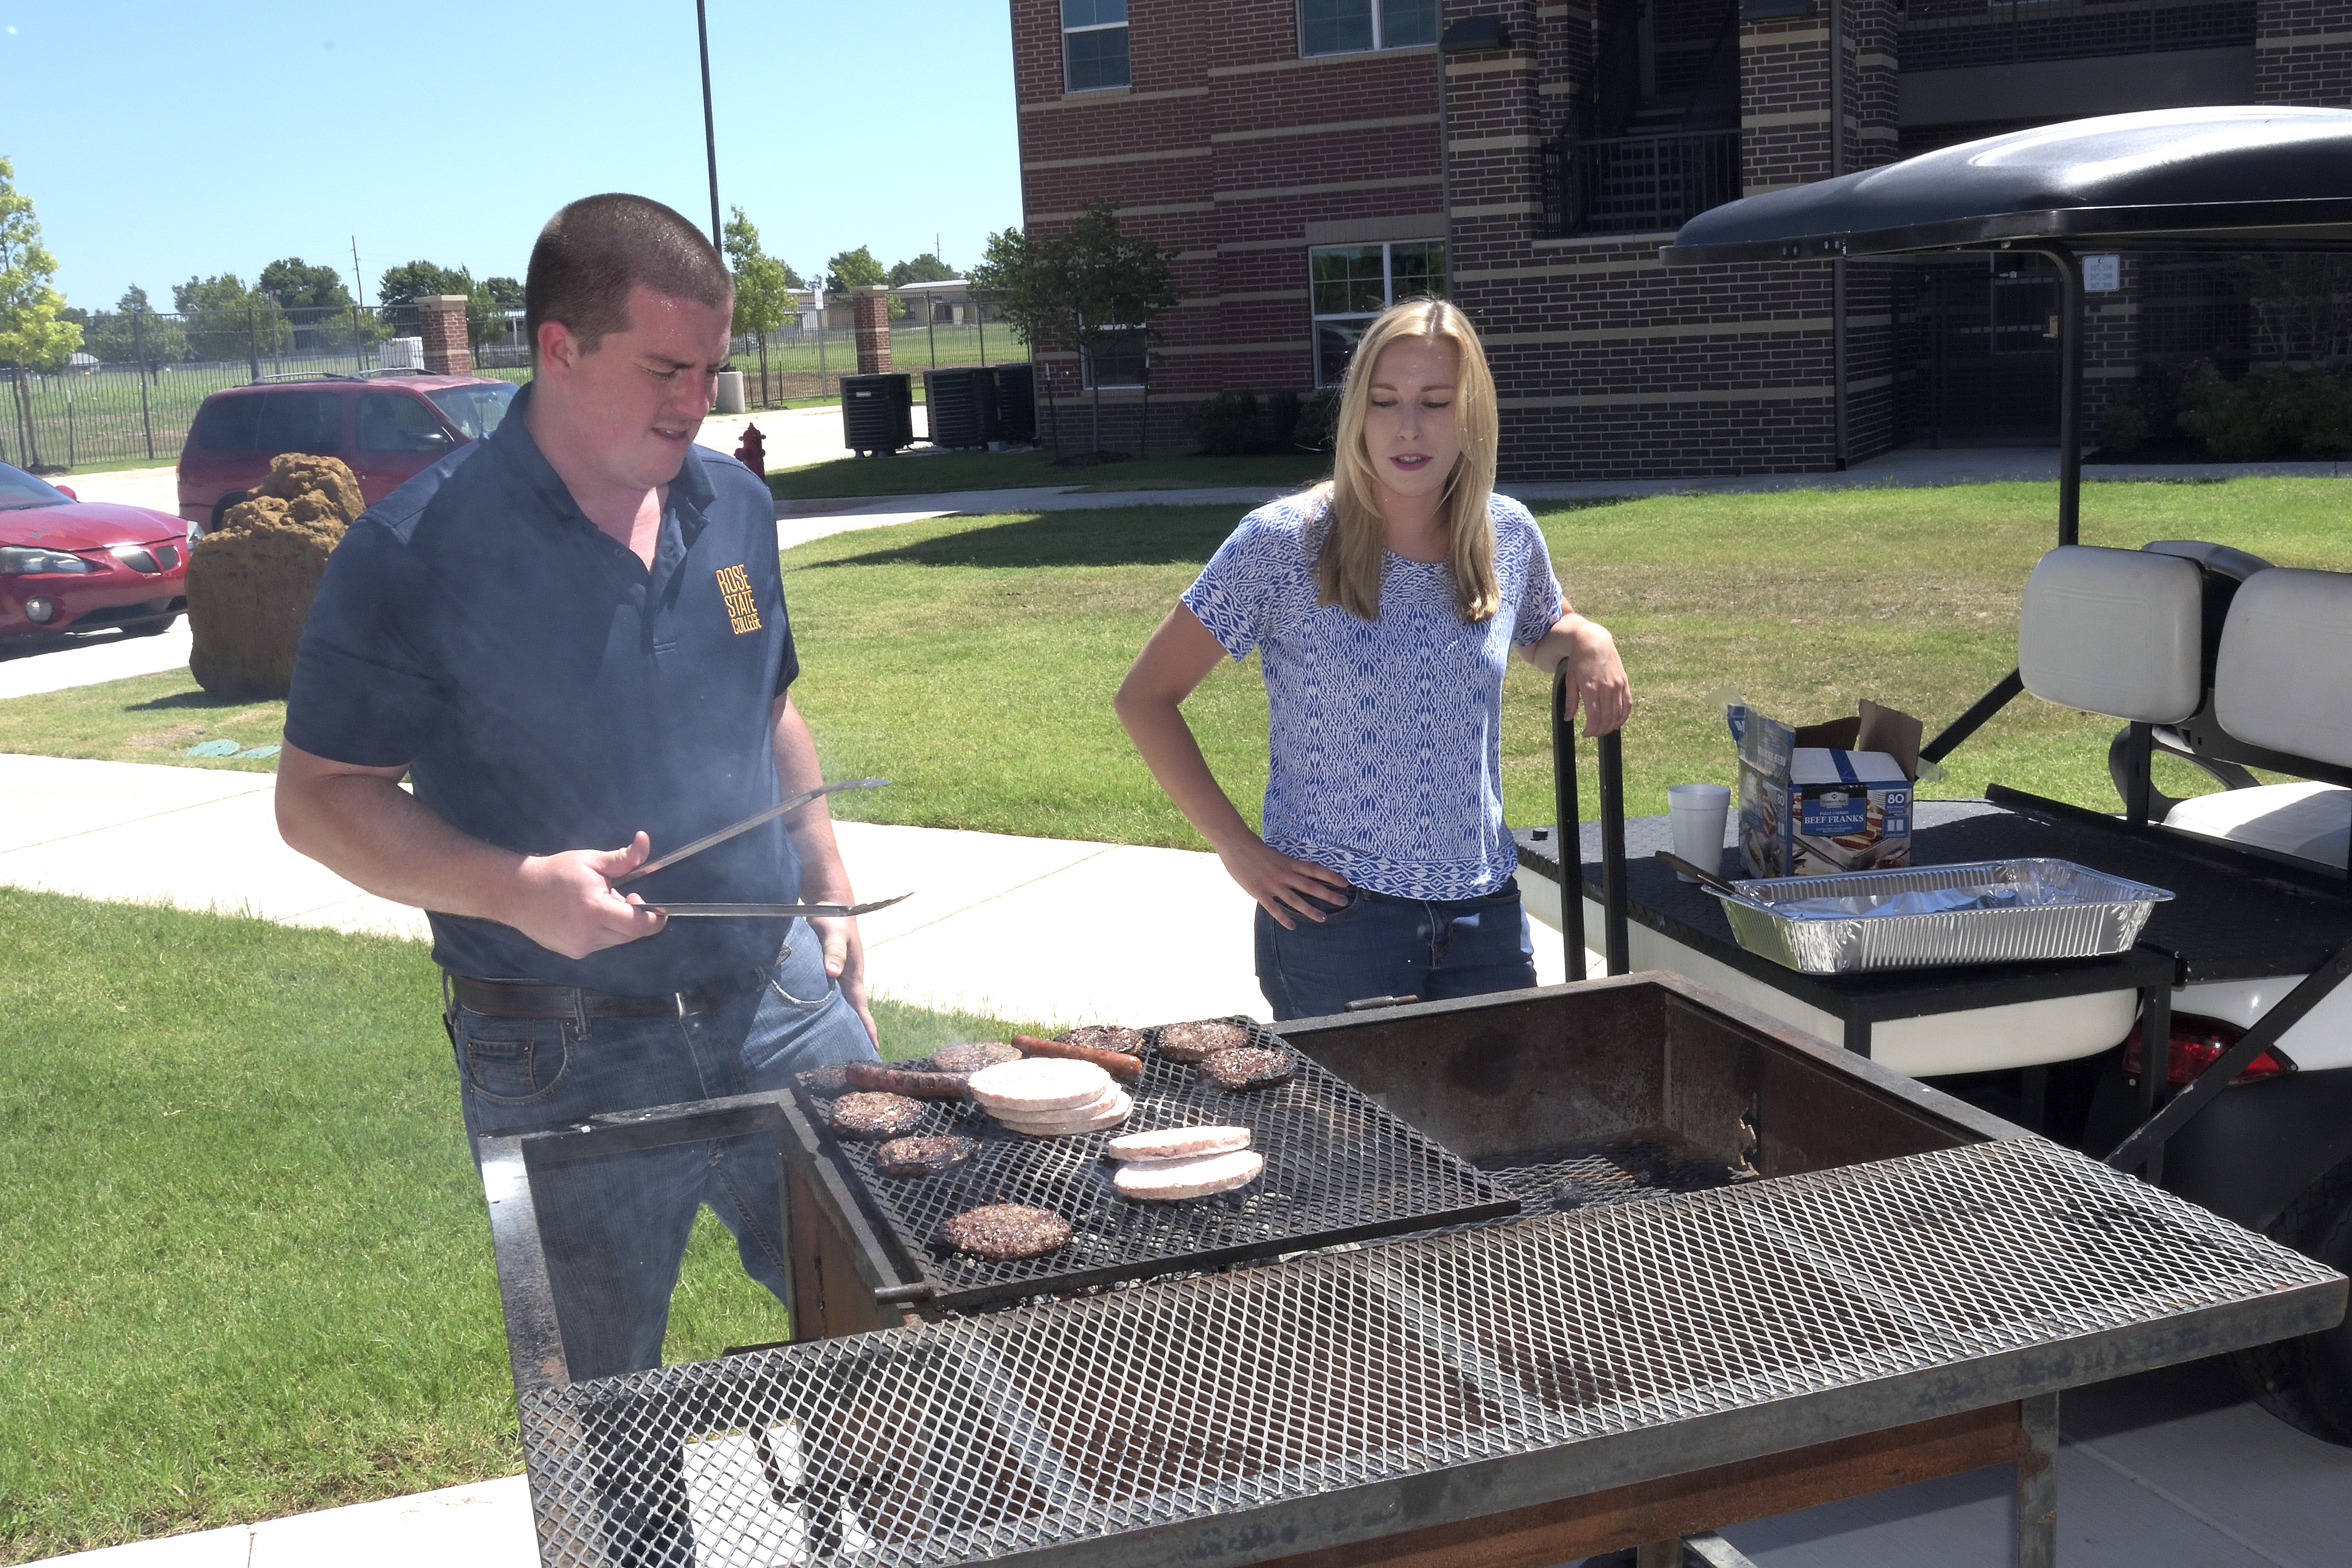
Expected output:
(845, 962)
(566, 902)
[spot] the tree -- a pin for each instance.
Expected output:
(297, 285)
(764, 288)
(854, 269)
(227, 320)
(924, 269)
(33, 336)
(487, 302)
(1083, 287)
(133, 334)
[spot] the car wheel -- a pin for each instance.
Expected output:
(220, 508)
(2307, 1381)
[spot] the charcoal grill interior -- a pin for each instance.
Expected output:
(1339, 1169)
(1620, 1090)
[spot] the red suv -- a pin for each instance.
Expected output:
(388, 428)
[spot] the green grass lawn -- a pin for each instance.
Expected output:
(935, 474)
(244, 1265)
(143, 719)
(973, 660)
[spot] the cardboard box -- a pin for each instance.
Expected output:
(1825, 798)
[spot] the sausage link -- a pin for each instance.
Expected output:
(900, 1080)
(1118, 1064)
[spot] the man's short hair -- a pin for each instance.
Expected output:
(595, 249)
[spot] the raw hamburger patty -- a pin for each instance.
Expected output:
(1252, 1066)
(1106, 1037)
(866, 1114)
(970, 1060)
(1196, 1042)
(925, 1156)
(1065, 1123)
(1036, 1085)
(1166, 1181)
(1003, 1232)
(1178, 1142)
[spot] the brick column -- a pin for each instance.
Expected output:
(869, 311)
(441, 322)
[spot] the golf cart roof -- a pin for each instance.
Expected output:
(2227, 179)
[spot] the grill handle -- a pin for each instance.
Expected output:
(1610, 753)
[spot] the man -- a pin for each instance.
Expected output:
(568, 635)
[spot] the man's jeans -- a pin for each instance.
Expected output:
(615, 1226)
(1377, 945)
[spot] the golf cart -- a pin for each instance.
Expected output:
(2216, 1054)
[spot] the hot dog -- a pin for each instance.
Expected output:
(873, 1076)
(1118, 1064)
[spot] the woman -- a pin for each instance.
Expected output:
(1383, 605)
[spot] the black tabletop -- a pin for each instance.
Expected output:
(2226, 922)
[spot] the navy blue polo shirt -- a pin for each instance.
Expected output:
(548, 692)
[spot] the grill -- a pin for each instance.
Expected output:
(1569, 1176)
(1339, 1168)
(1226, 1418)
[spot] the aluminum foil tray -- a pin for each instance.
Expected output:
(2020, 912)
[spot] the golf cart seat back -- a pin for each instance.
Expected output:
(2119, 632)
(2279, 682)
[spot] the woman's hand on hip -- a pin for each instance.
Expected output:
(1281, 886)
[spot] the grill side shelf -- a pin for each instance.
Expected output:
(1339, 1169)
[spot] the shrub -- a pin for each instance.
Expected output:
(1282, 410)
(2222, 414)
(1224, 425)
(1318, 421)
(2124, 430)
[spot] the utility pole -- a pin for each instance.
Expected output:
(710, 126)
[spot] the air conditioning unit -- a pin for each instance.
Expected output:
(401, 353)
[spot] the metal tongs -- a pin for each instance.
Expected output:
(748, 823)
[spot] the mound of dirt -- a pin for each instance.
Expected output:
(251, 580)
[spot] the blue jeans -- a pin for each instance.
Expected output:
(615, 1226)
(1377, 945)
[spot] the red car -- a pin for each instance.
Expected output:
(387, 427)
(70, 567)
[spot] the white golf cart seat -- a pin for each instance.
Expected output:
(2279, 683)
(2118, 632)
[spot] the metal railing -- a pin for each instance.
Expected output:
(2010, 32)
(1637, 185)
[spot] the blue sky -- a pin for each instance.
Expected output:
(159, 142)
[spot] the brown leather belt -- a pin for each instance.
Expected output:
(528, 999)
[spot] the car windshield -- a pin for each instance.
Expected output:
(19, 489)
(474, 410)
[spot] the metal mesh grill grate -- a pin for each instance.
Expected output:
(1195, 1399)
(1337, 1168)
(1651, 1165)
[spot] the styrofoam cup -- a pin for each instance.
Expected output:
(1696, 811)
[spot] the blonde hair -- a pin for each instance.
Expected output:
(1348, 564)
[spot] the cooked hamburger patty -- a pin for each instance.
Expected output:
(1106, 1037)
(1252, 1066)
(922, 1156)
(827, 1080)
(868, 1114)
(1196, 1042)
(1006, 1231)
(969, 1059)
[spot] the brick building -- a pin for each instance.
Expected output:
(1288, 152)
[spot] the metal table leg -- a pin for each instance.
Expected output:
(2037, 1483)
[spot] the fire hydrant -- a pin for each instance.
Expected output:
(753, 453)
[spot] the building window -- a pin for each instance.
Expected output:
(1093, 44)
(1116, 359)
(1351, 284)
(1346, 26)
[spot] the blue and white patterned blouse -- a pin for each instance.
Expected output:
(1387, 750)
